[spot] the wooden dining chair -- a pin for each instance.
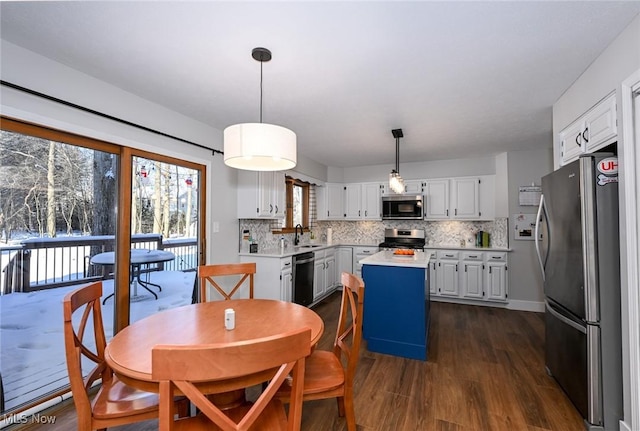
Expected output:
(114, 403)
(206, 274)
(232, 366)
(326, 375)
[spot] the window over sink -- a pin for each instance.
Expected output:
(300, 204)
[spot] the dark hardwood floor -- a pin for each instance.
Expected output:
(485, 372)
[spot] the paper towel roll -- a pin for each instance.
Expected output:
(329, 232)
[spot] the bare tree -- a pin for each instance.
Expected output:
(51, 191)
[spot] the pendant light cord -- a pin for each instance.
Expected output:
(261, 92)
(398, 155)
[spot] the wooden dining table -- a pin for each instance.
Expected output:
(129, 352)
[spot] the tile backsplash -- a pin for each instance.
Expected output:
(438, 233)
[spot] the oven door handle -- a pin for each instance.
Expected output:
(299, 262)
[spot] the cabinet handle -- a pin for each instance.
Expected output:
(473, 257)
(358, 213)
(276, 209)
(447, 212)
(465, 268)
(495, 257)
(578, 142)
(270, 208)
(490, 269)
(455, 212)
(327, 213)
(456, 267)
(365, 213)
(584, 135)
(448, 255)
(287, 264)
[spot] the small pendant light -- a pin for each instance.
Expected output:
(396, 183)
(260, 146)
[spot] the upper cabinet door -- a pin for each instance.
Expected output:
(371, 197)
(465, 198)
(353, 201)
(600, 125)
(572, 141)
(414, 187)
(436, 199)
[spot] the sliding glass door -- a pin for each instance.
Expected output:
(75, 210)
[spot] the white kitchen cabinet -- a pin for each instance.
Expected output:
(433, 264)
(359, 253)
(465, 198)
(414, 187)
(447, 273)
(371, 201)
(353, 201)
(330, 200)
(271, 274)
(454, 198)
(496, 276)
(261, 195)
(594, 130)
(318, 275)
(475, 275)
(286, 280)
(362, 201)
(436, 199)
(325, 277)
(344, 260)
(472, 275)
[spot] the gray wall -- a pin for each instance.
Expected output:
(525, 168)
(30, 70)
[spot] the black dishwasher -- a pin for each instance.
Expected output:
(303, 265)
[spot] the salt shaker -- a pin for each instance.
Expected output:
(229, 319)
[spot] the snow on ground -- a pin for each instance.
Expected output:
(32, 359)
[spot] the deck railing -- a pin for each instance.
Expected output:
(45, 263)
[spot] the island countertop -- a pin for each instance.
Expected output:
(420, 259)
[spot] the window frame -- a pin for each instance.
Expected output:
(290, 182)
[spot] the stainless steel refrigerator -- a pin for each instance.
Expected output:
(578, 249)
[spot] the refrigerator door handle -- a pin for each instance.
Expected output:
(541, 210)
(589, 262)
(564, 319)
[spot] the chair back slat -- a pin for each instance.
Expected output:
(208, 273)
(183, 367)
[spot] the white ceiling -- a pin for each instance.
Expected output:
(462, 79)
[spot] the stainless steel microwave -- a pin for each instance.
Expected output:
(402, 207)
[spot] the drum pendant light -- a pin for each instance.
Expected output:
(259, 146)
(396, 183)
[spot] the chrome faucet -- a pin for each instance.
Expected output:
(296, 238)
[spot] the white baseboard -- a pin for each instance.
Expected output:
(518, 305)
(624, 426)
(534, 306)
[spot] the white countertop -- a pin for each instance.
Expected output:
(290, 250)
(387, 258)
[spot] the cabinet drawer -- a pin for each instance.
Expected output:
(285, 263)
(367, 251)
(496, 257)
(468, 255)
(448, 254)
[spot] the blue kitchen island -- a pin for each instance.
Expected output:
(396, 304)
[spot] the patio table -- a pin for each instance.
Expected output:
(138, 257)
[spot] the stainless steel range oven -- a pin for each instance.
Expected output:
(403, 238)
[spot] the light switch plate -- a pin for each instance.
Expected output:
(216, 226)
